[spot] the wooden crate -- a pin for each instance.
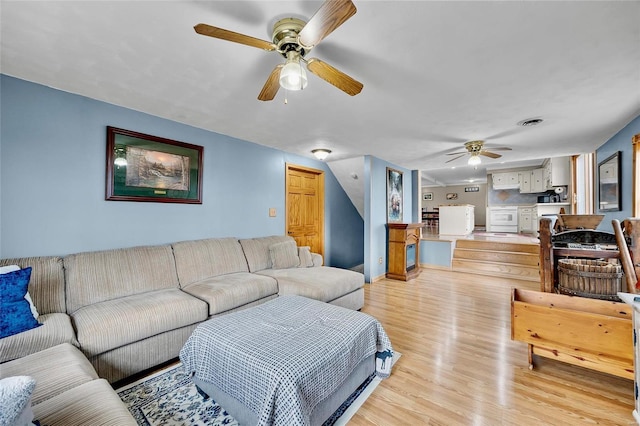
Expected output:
(591, 333)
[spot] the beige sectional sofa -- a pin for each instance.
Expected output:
(128, 310)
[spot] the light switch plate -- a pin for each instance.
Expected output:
(272, 212)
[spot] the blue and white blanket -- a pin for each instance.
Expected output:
(281, 358)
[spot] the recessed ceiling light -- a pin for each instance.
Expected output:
(530, 122)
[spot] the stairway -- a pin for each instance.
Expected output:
(497, 258)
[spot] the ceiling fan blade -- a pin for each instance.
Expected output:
(223, 34)
(272, 85)
(490, 154)
(455, 158)
(331, 75)
(330, 16)
(456, 153)
(501, 148)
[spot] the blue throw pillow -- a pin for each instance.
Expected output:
(16, 314)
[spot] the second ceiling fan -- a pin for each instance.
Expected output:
(293, 39)
(476, 149)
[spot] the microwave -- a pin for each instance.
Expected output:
(544, 198)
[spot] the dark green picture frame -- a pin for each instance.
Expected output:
(143, 167)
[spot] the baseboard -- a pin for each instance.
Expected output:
(378, 278)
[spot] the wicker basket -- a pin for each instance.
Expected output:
(596, 279)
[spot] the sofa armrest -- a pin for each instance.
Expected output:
(56, 329)
(317, 259)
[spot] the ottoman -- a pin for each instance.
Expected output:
(289, 361)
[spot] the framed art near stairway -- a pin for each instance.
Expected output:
(394, 196)
(150, 168)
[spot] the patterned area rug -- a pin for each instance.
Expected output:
(169, 397)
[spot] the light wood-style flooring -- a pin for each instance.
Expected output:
(459, 365)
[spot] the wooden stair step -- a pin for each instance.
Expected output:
(506, 270)
(532, 248)
(518, 258)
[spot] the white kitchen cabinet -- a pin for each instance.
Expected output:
(527, 217)
(537, 180)
(557, 172)
(532, 181)
(505, 180)
(525, 181)
(458, 219)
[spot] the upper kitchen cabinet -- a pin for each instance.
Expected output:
(506, 180)
(532, 181)
(557, 172)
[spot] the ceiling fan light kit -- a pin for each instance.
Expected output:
(321, 153)
(474, 160)
(292, 75)
(293, 38)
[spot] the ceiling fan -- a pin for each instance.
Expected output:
(293, 38)
(476, 149)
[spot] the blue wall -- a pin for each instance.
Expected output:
(375, 206)
(52, 183)
(437, 253)
(620, 142)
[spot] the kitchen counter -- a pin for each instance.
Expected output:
(563, 204)
(521, 217)
(456, 219)
(553, 204)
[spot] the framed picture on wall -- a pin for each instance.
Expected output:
(427, 196)
(452, 196)
(150, 168)
(609, 194)
(394, 195)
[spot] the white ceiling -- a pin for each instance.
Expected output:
(435, 74)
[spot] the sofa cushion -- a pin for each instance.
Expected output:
(256, 250)
(55, 369)
(92, 403)
(56, 329)
(16, 313)
(284, 255)
(46, 286)
(100, 276)
(324, 283)
(27, 297)
(230, 291)
(197, 260)
(306, 259)
(114, 323)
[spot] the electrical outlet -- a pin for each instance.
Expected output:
(380, 260)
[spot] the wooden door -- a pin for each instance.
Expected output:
(305, 206)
